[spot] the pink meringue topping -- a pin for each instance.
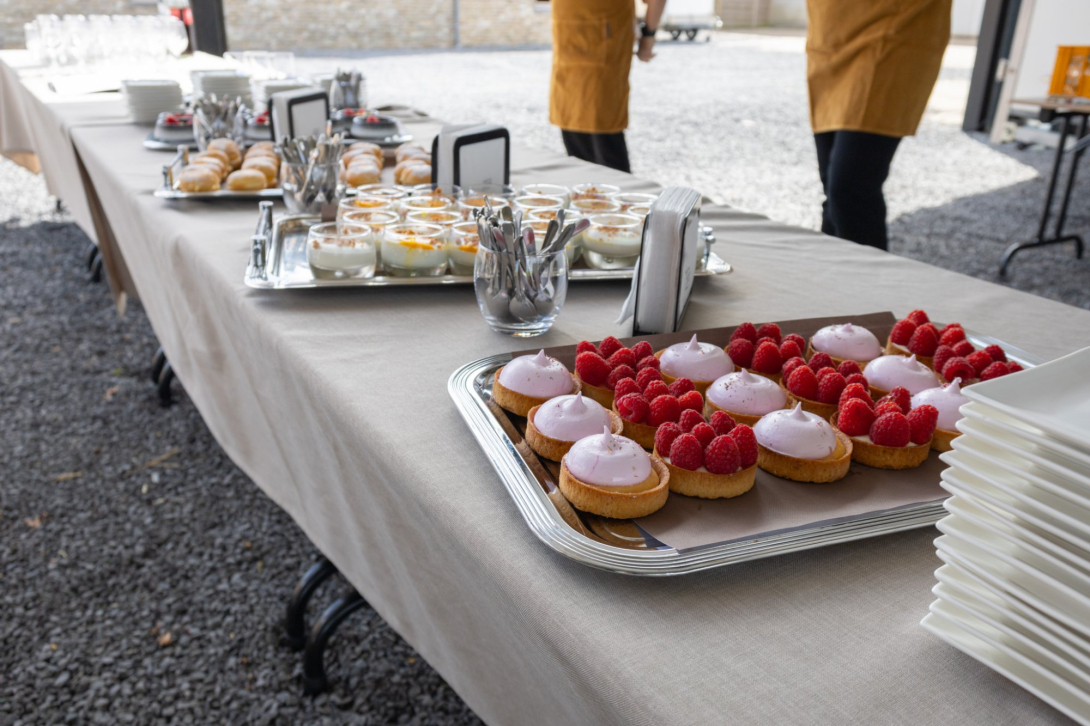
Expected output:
(948, 400)
(570, 418)
(797, 433)
(607, 460)
(851, 342)
(743, 392)
(890, 371)
(537, 375)
(696, 361)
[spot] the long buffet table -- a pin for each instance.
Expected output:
(334, 402)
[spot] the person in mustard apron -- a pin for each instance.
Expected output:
(588, 91)
(871, 65)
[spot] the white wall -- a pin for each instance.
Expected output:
(1054, 23)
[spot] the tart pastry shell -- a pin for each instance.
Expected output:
(519, 403)
(554, 449)
(741, 418)
(705, 485)
(943, 439)
(815, 471)
(836, 361)
(600, 394)
(825, 410)
(618, 505)
(886, 457)
(643, 434)
(896, 349)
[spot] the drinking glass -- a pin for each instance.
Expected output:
(337, 249)
(520, 297)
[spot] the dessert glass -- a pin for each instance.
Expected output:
(462, 247)
(337, 249)
(529, 203)
(639, 210)
(594, 191)
(385, 191)
(369, 204)
(445, 219)
(574, 248)
(627, 200)
(548, 190)
(520, 299)
(414, 250)
(504, 191)
(425, 203)
(595, 206)
(469, 204)
(451, 191)
(612, 241)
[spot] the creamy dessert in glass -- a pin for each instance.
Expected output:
(595, 206)
(462, 247)
(469, 204)
(445, 219)
(529, 203)
(368, 203)
(425, 203)
(414, 250)
(627, 200)
(337, 249)
(384, 191)
(612, 241)
(639, 210)
(594, 190)
(548, 190)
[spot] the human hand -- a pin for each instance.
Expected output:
(645, 51)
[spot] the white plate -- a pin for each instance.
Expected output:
(1043, 458)
(1011, 665)
(1054, 396)
(1014, 427)
(993, 459)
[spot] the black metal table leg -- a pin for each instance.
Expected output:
(295, 626)
(314, 677)
(157, 363)
(162, 386)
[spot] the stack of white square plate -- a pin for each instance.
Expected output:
(146, 99)
(262, 88)
(222, 83)
(1014, 591)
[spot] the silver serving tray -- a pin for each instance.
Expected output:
(156, 144)
(286, 265)
(169, 191)
(619, 545)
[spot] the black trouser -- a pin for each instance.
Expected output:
(605, 149)
(853, 166)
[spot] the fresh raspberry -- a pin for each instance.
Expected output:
(766, 359)
(951, 336)
(942, 354)
(664, 437)
(919, 317)
(691, 401)
(740, 351)
(963, 348)
(655, 389)
(789, 367)
(722, 423)
(619, 373)
(921, 423)
(680, 386)
(721, 456)
(950, 326)
(770, 330)
(592, 368)
(688, 419)
(585, 346)
(623, 357)
(746, 331)
(932, 327)
(825, 372)
(996, 353)
(902, 332)
(885, 406)
(648, 361)
(687, 453)
(958, 367)
(609, 346)
(767, 339)
(891, 429)
(790, 349)
(854, 390)
(803, 383)
(642, 349)
(855, 417)
(901, 396)
(924, 341)
(979, 361)
(848, 367)
(646, 375)
(625, 387)
(633, 407)
(799, 340)
(830, 387)
(820, 360)
(703, 433)
(858, 378)
(995, 370)
(747, 444)
(1014, 366)
(663, 409)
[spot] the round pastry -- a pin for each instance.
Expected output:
(262, 154)
(418, 174)
(399, 170)
(262, 145)
(889, 371)
(612, 476)
(555, 425)
(361, 174)
(222, 167)
(640, 432)
(801, 446)
(211, 164)
(264, 165)
(865, 451)
(845, 342)
(531, 380)
(701, 363)
(948, 400)
(229, 147)
(199, 178)
(365, 147)
(704, 484)
(246, 180)
(745, 396)
(218, 153)
(409, 150)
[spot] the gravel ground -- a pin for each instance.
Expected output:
(143, 576)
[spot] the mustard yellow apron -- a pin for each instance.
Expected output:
(871, 64)
(592, 54)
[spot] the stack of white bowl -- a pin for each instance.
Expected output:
(147, 98)
(222, 83)
(262, 88)
(1014, 591)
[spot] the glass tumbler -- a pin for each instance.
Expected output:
(337, 249)
(520, 297)
(307, 187)
(612, 241)
(414, 250)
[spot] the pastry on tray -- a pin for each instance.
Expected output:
(887, 372)
(890, 433)
(763, 350)
(745, 396)
(531, 380)
(714, 459)
(646, 402)
(817, 384)
(264, 164)
(555, 425)
(936, 347)
(599, 367)
(246, 180)
(198, 178)
(230, 148)
(701, 363)
(612, 476)
(845, 342)
(797, 445)
(948, 401)
(964, 362)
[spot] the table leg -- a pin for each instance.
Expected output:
(157, 363)
(1070, 187)
(314, 677)
(295, 626)
(162, 386)
(94, 263)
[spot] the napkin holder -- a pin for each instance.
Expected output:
(471, 155)
(301, 112)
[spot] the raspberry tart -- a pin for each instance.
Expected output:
(797, 445)
(845, 342)
(891, 371)
(915, 334)
(531, 380)
(701, 363)
(745, 396)
(555, 425)
(817, 385)
(647, 402)
(709, 461)
(599, 368)
(947, 401)
(763, 350)
(612, 476)
(962, 361)
(887, 434)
